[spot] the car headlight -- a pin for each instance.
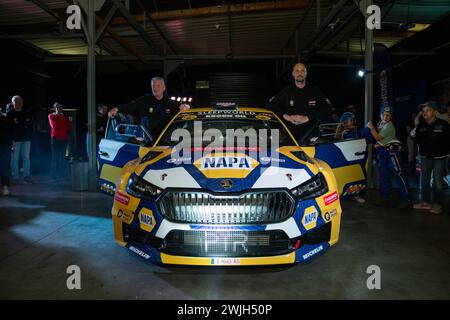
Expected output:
(312, 188)
(140, 188)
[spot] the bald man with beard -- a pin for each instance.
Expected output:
(301, 105)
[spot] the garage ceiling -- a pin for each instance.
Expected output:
(208, 30)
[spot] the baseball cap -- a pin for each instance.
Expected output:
(430, 104)
(385, 109)
(346, 116)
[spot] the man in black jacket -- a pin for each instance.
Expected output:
(301, 105)
(153, 110)
(6, 140)
(433, 138)
(22, 122)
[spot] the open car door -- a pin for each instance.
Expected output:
(123, 142)
(347, 158)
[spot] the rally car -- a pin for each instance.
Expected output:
(179, 199)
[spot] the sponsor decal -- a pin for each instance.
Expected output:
(327, 216)
(189, 117)
(312, 252)
(268, 159)
(226, 165)
(139, 252)
(312, 102)
(263, 116)
(146, 220)
(330, 198)
(179, 160)
(225, 162)
(354, 189)
(291, 103)
(333, 213)
(150, 110)
(225, 261)
(125, 216)
(226, 184)
(309, 219)
(122, 198)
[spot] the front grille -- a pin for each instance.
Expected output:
(226, 243)
(205, 208)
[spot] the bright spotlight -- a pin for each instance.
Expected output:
(361, 73)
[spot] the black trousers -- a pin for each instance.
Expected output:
(58, 152)
(5, 165)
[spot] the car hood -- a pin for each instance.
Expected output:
(236, 171)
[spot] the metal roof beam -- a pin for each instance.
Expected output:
(158, 29)
(252, 7)
(101, 31)
(136, 26)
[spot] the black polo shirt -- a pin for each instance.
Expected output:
(433, 139)
(153, 114)
(309, 101)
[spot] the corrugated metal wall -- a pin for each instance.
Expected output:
(247, 90)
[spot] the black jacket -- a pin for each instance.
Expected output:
(22, 122)
(153, 114)
(433, 139)
(6, 132)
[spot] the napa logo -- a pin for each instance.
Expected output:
(309, 220)
(226, 165)
(146, 219)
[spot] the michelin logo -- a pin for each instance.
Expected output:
(139, 252)
(312, 252)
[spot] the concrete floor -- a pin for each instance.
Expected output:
(44, 228)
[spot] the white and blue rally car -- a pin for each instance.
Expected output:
(247, 205)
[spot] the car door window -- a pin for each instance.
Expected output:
(123, 128)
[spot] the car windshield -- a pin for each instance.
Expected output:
(228, 132)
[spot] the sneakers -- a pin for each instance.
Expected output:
(422, 206)
(5, 191)
(436, 209)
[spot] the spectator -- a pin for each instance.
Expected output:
(433, 138)
(6, 141)
(389, 160)
(347, 128)
(100, 125)
(22, 122)
(60, 132)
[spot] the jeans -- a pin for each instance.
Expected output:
(437, 167)
(21, 149)
(389, 162)
(5, 165)
(58, 152)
